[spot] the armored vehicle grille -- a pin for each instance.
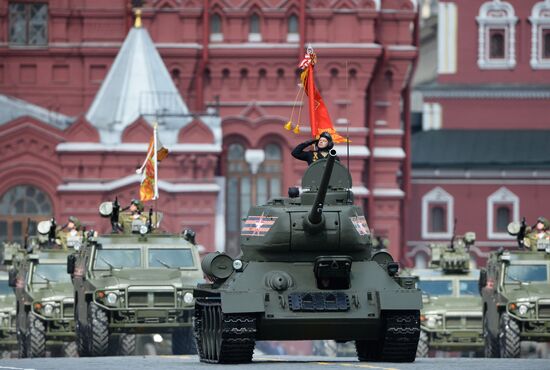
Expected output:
(152, 297)
(453, 322)
(544, 310)
(68, 309)
(473, 322)
(462, 322)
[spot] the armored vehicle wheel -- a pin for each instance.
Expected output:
(126, 345)
(423, 345)
(509, 340)
(5, 354)
(98, 330)
(69, 349)
(223, 338)
(35, 337)
(183, 342)
(400, 336)
(368, 350)
(491, 343)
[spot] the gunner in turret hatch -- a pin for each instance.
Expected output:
(322, 147)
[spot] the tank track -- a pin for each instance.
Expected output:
(400, 336)
(223, 338)
(398, 342)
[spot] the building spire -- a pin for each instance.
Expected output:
(137, 22)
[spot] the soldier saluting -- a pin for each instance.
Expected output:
(133, 213)
(322, 147)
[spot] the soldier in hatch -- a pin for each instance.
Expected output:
(133, 212)
(322, 146)
(69, 233)
(537, 233)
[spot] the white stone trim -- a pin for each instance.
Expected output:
(361, 151)
(345, 45)
(216, 37)
(437, 195)
(454, 175)
(431, 116)
(540, 20)
(389, 153)
(447, 38)
(485, 23)
(292, 37)
(136, 178)
(501, 196)
(220, 215)
(388, 193)
(254, 37)
(360, 190)
(254, 45)
(135, 148)
(388, 132)
(487, 94)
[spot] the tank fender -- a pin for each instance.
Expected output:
(400, 299)
(242, 302)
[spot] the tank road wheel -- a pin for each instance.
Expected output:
(69, 349)
(368, 350)
(423, 345)
(223, 338)
(491, 343)
(35, 337)
(126, 345)
(400, 334)
(98, 333)
(183, 342)
(509, 340)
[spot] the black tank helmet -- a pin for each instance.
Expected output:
(327, 136)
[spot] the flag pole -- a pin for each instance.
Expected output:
(155, 149)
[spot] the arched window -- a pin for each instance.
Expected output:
(503, 218)
(216, 33)
(21, 207)
(293, 33)
(438, 222)
(496, 35)
(238, 195)
(268, 181)
(254, 31)
(540, 35)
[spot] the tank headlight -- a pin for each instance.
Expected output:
(523, 309)
(112, 298)
(188, 297)
(48, 309)
(237, 264)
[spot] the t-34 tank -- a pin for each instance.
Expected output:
(307, 271)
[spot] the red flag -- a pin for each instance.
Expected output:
(319, 118)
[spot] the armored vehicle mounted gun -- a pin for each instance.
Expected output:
(45, 311)
(307, 271)
(515, 292)
(134, 283)
(451, 316)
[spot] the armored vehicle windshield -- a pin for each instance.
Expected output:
(436, 283)
(46, 273)
(526, 273)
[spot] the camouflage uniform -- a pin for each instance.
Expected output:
(534, 235)
(65, 234)
(125, 219)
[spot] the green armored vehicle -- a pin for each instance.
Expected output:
(451, 316)
(129, 284)
(307, 271)
(45, 311)
(515, 290)
(8, 339)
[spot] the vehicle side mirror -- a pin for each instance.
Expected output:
(482, 283)
(71, 260)
(12, 277)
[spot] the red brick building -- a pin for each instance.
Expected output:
(481, 156)
(221, 88)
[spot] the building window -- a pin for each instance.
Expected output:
(437, 214)
(28, 23)
(268, 180)
(238, 195)
(497, 35)
(293, 33)
(254, 32)
(502, 208)
(540, 35)
(21, 207)
(216, 34)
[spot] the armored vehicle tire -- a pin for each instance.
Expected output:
(398, 339)
(223, 338)
(183, 342)
(423, 345)
(509, 339)
(69, 349)
(98, 333)
(126, 345)
(491, 343)
(35, 337)
(5, 354)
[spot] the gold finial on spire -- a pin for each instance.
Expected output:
(137, 22)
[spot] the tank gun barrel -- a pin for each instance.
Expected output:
(315, 216)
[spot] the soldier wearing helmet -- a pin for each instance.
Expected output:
(132, 213)
(322, 146)
(538, 234)
(70, 233)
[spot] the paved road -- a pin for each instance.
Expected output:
(265, 363)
